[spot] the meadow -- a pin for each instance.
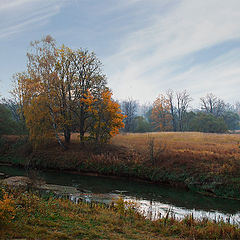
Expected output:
(216, 153)
(202, 162)
(206, 163)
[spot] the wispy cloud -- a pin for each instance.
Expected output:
(147, 46)
(21, 15)
(148, 58)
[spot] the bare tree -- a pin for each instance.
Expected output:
(237, 108)
(170, 97)
(212, 104)
(129, 108)
(183, 100)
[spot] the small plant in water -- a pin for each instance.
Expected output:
(125, 206)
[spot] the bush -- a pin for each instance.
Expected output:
(204, 122)
(7, 210)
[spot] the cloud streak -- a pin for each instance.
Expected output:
(149, 57)
(26, 15)
(147, 46)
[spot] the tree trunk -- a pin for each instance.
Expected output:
(67, 135)
(81, 127)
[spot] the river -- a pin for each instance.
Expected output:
(153, 200)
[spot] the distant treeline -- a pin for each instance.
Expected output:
(172, 112)
(64, 90)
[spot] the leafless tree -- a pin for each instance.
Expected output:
(183, 101)
(179, 104)
(129, 108)
(237, 108)
(170, 97)
(212, 104)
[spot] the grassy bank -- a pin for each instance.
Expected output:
(25, 215)
(207, 163)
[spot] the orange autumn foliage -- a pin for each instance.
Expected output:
(63, 91)
(107, 117)
(7, 210)
(161, 116)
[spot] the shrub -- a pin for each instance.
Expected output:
(7, 209)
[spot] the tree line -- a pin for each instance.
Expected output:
(172, 112)
(64, 90)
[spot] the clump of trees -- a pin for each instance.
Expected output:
(10, 118)
(7, 125)
(64, 90)
(172, 112)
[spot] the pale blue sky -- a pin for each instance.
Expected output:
(146, 46)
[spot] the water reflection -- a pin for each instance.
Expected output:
(154, 200)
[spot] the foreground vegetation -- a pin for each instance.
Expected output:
(206, 163)
(27, 215)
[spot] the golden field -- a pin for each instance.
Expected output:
(203, 162)
(219, 153)
(196, 142)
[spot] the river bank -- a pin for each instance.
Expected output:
(30, 216)
(153, 200)
(207, 172)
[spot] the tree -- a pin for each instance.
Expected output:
(141, 125)
(179, 104)
(161, 116)
(107, 118)
(205, 122)
(16, 114)
(237, 108)
(7, 124)
(129, 108)
(232, 120)
(212, 104)
(59, 89)
(38, 86)
(39, 121)
(65, 72)
(87, 77)
(183, 100)
(170, 97)
(189, 117)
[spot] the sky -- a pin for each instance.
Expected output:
(146, 46)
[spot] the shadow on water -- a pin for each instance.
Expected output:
(151, 197)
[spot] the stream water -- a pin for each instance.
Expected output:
(153, 200)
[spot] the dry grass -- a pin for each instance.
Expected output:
(181, 141)
(216, 153)
(208, 163)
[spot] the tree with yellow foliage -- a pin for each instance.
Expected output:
(61, 87)
(107, 118)
(161, 116)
